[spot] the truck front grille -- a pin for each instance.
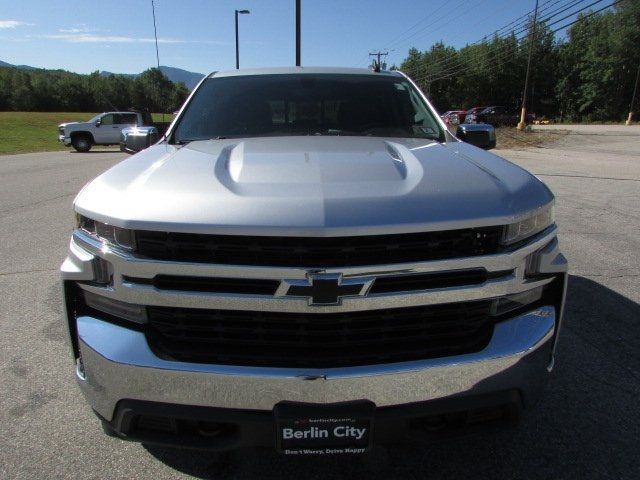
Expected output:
(383, 284)
(319, 340)
(319, 251)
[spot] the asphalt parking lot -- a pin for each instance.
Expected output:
(588, 425)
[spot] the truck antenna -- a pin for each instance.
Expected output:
(155, 34)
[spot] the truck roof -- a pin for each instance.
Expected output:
(292, 70)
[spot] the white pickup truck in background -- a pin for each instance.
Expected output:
(104, 129)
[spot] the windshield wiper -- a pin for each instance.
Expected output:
(338, 133)
(189, 140)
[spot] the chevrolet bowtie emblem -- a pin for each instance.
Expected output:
(325, 288)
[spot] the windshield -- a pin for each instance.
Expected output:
(306, 104)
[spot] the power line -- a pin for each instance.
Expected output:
(526, 16)
(520, 28)
(434, 22)
(401, 37)
(451, 61)
(574, 13)
(454, 67)
(444, 4)
(586, 16)
(501, 56)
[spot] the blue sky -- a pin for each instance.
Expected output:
(198, 35)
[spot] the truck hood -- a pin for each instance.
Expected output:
(320, 186)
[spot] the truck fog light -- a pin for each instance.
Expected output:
(514, 302)
(126, 311)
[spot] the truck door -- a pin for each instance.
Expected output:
(105, 133)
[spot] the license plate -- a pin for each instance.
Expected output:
(333, 429)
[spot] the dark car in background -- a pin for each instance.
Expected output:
(499, 116)
(472, 115)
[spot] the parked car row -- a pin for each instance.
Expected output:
(496, 115)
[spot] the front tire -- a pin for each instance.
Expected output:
(81, 143)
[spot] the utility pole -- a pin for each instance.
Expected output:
(298, 33)
(377, 64)
(532, 41)
(633, 98)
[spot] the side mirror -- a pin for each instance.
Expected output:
(481, 135)
(98, 123)
(134, 139)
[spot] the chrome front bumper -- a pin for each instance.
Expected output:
(118, 364)
(64, 140)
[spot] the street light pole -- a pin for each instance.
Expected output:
(532, 40)
(237, 43)
(298, 33)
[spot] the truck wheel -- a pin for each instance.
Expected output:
(82, 143)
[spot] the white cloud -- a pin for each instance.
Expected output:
(72, 30)
(80, 35)
(80, 28)
(13, 24)
(76, 37)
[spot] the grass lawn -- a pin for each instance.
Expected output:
(23, 132)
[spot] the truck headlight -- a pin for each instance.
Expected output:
(109, 234)
(529, 226)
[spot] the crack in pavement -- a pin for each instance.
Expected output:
(630, 275)
(586, 176)
(6, 274)
(18, 207)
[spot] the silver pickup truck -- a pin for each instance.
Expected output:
(309, 260)
(104, 129)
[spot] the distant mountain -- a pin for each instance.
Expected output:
(104, 73)
(190, 79)
(21, 67)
